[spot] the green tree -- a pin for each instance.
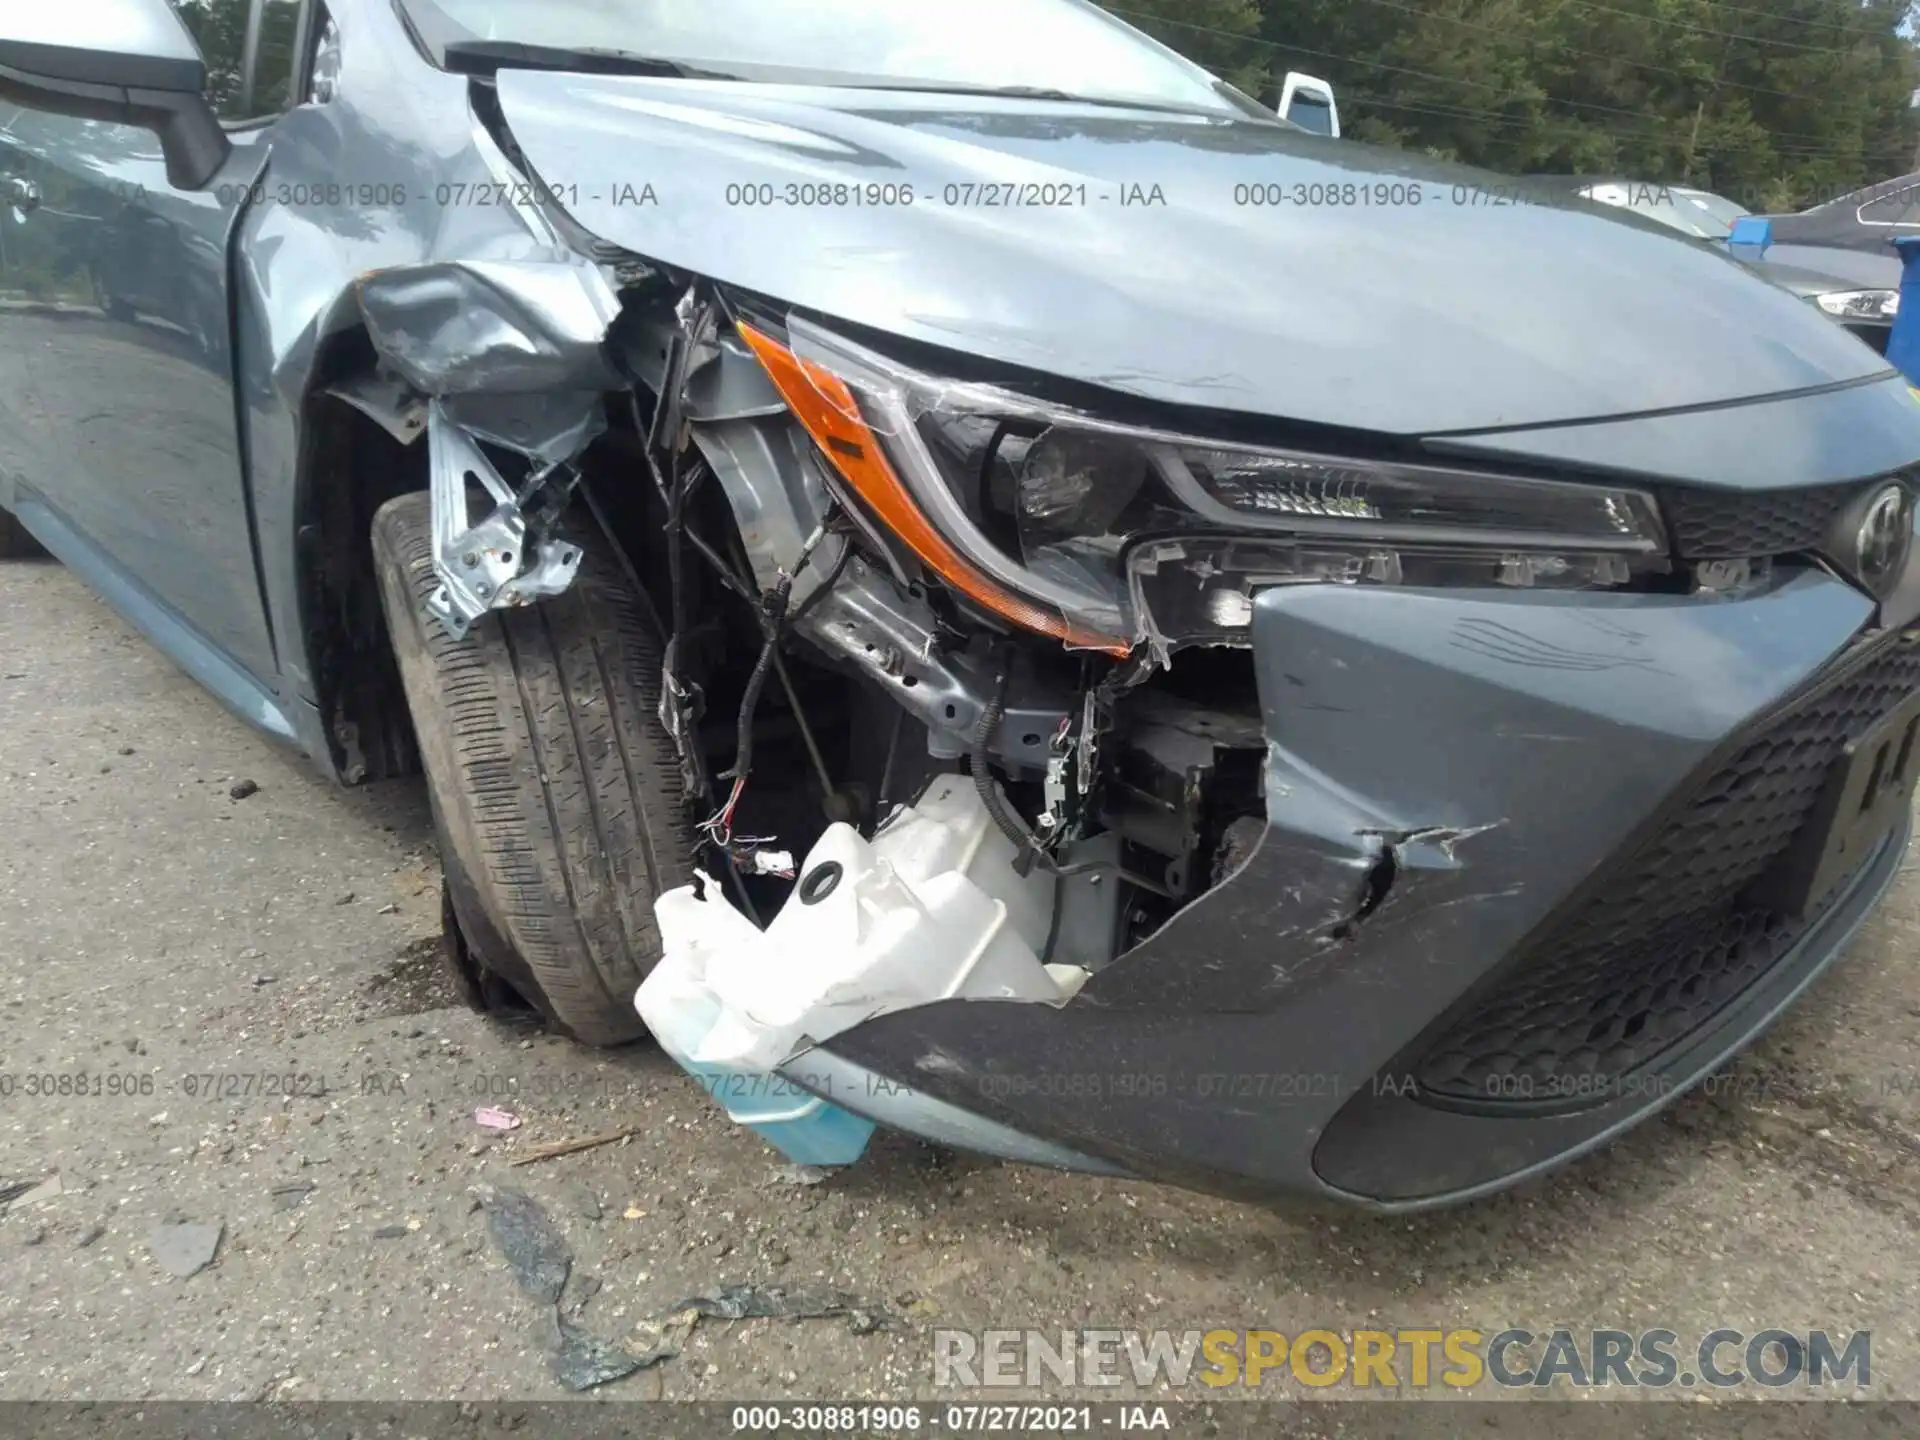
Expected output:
(1222, 35)
(1778, 103)
(219, 27)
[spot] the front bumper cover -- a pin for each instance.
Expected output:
(1447, 775)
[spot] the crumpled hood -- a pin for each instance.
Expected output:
(1345, 303)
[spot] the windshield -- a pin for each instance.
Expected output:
(1056, 45)
(1311, 112)
(1720, 209)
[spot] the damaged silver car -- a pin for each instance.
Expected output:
(1002, 591)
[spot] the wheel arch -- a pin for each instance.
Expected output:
(349, 464)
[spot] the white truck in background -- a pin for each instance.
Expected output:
(1309, 103)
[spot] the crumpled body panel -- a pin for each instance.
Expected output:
(1437, 730)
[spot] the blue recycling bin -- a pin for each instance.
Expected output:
(1903, 346)
(1750, 237)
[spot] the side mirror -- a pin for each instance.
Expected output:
(129, 61)
(1309, 103)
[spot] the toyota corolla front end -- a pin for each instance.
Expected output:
(1014, 595)
(1390, 698)
(1421, 822)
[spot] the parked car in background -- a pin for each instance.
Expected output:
(1692, 212)
(1859, 288)
(979, 573)
(1864, 222)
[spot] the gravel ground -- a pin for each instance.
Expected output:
(200, 956)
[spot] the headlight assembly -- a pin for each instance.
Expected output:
(1065, 523)
(1860, 304)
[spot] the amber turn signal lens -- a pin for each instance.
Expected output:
(823, 404)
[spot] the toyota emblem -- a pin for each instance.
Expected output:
(1885, 537)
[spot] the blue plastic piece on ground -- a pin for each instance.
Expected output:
(797, 1123)
(1750, 237)
(1903, 345)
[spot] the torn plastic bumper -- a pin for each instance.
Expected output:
(1448, 775)
(930, 909)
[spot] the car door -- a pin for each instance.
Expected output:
(115, 358)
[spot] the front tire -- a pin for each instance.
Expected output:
(556, 791)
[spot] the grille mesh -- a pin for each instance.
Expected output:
(1747, 525)
(1679, 931)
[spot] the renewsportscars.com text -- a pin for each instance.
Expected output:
(1402, 1359)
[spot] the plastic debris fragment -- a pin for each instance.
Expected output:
(184, 1250)
(535, 1250)
(581, 1359)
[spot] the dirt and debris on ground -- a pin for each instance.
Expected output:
(306, 1116)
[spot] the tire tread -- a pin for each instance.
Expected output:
(541, 737)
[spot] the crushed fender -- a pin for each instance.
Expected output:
(508, 353)
(521, 326)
